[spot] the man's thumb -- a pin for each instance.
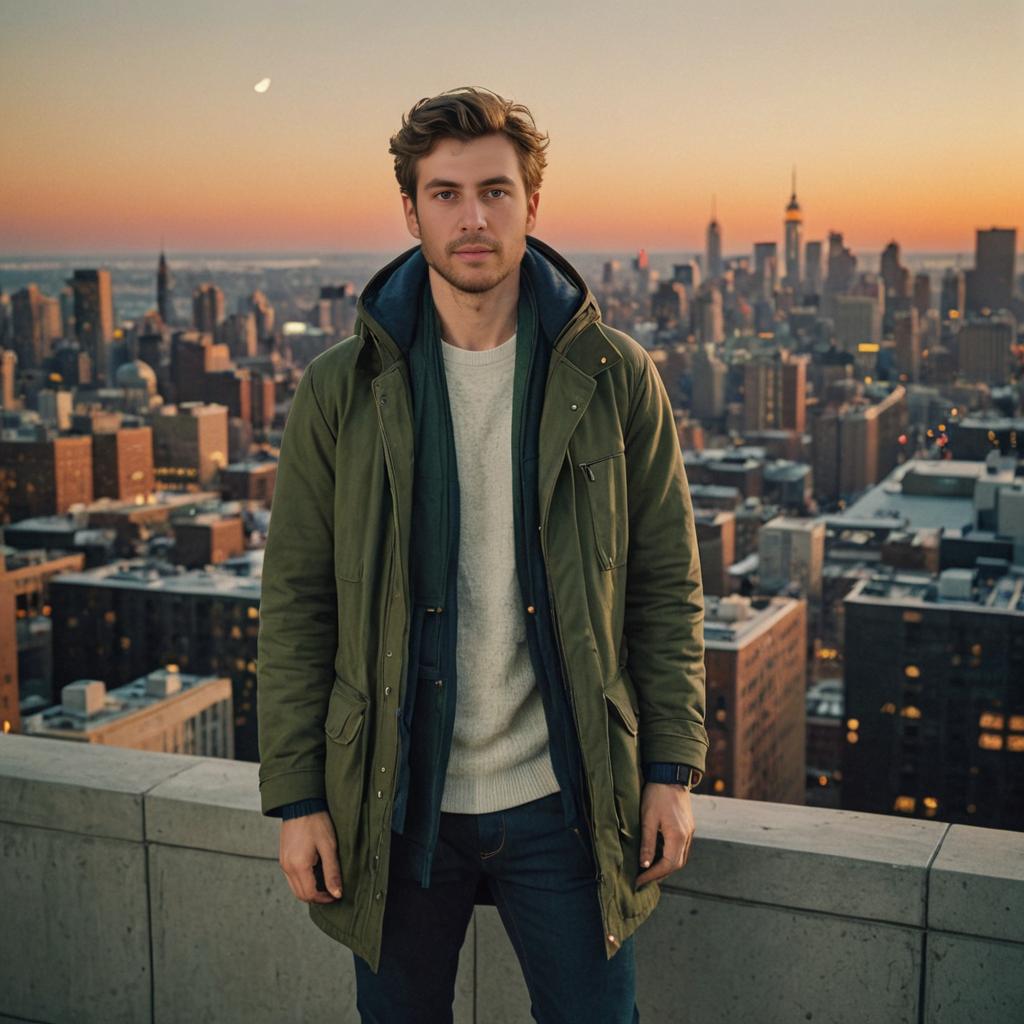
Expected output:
(332, 872)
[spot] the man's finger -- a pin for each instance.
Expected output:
(331, 869)
(668, 862)
(648, 839)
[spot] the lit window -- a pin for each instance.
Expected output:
(930, 802)
(976, 650)
(1015, 743)
(905, 804)
(912, 616)
(853, 723)
(990, 720)
(851, 737)
(1017, 723)
(719, 785)
(912, 672)
(911, 712)
(888, 708)
(990, 741)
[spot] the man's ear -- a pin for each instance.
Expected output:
(531, 211)
(411, 220)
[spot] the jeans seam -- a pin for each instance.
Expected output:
(522, 945)
(501, 846)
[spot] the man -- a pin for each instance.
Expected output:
(481, 636)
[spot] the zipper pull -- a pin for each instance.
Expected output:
(585, 466)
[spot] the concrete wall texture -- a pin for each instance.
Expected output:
(142, 887)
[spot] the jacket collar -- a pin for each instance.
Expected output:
(387, 309)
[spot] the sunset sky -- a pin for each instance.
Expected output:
(125, 122)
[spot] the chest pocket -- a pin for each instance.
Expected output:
(604, 483)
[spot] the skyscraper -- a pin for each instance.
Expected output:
(990, 283)
(94, 317)
(812, 268)
(794, 228)
(766, 269)
(164, 291)
(935, 725)
(207, 307)
(714, 245)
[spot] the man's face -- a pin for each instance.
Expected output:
(472, 212)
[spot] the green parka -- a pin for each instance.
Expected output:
(620, 552)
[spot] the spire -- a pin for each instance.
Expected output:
(793, 209)
(713, 213)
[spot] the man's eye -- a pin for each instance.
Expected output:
(500, 191)
(446, 192)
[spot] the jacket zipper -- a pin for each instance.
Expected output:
(585, 466)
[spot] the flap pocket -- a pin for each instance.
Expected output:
(345, 712)
(618, 697)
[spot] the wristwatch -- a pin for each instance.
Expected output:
(682, 774)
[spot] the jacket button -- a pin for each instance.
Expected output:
(382, 768)
(377, 895)
(387, 690)
(574, 406)
(380, 793)
(604, 359)
(530, 608)
(611, 938)
(383, 399)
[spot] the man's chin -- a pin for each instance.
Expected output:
(473, 282)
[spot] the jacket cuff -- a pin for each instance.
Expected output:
(673, 749)
(290, 787)
(300, 808)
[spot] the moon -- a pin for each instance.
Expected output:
(262, 85)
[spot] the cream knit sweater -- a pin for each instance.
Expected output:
(500, 754)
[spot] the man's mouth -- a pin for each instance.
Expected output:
(473, 253)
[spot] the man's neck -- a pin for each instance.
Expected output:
(476, 320)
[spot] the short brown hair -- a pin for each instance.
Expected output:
(467, 113)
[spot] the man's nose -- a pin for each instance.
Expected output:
(473, 216)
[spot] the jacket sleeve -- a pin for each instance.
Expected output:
(664, 614)
(297, 637)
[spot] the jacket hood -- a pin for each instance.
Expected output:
(386, 307)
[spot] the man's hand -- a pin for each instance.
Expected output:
(302, 839)
(665, 807)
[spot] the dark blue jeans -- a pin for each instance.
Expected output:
(541, 874)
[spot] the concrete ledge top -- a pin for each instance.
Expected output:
(910, 872)
(846, 862)
(977, 883)
(87, 788)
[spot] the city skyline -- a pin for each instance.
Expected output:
(147, 127)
